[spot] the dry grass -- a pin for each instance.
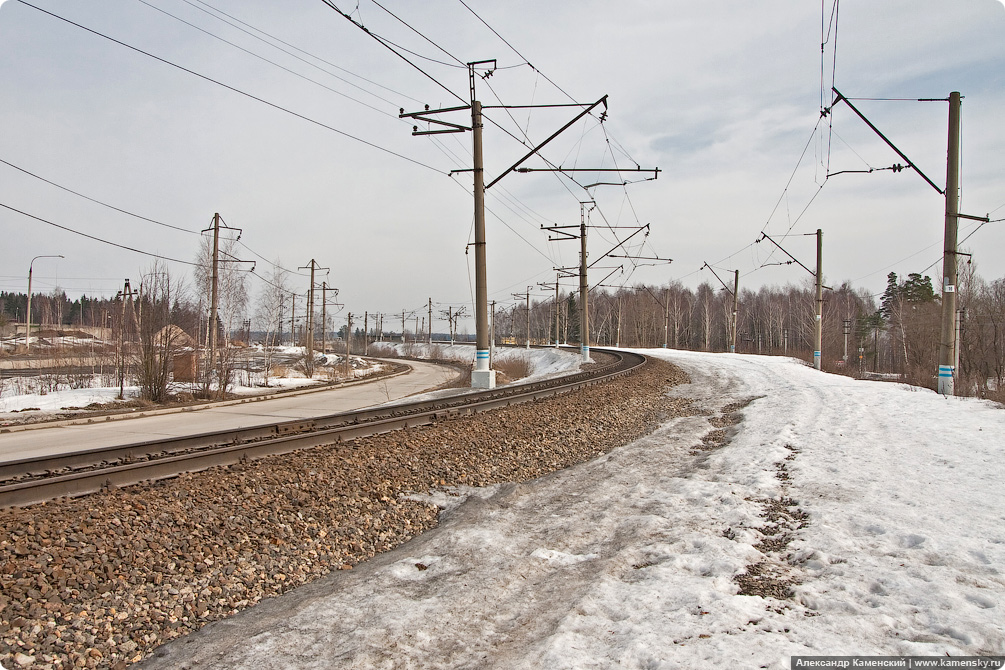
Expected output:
(381, 350)
(515, 367)
(997, 395)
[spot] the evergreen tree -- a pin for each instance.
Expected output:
(889, 301)
(918, 289)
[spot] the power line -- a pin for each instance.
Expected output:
(114, 279)
(578, 145)
(529, 143)
(266, 260)
(524, 58)
(793, 175)
(143, 218)
(388, 45)
(525, 142)
(270, 62)
(505, 198)
(98, 239)
(99, 202)
(939, 259)
(825, 37)
(295, 48)
(528, 63)
(407, 25)
(270, 283)
(235, 90)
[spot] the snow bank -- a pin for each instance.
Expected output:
(904, 548)
(876, 510)
(544, 362)
(57, 400)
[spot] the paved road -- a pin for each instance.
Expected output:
(63, 439)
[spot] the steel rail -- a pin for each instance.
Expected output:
(35, 480)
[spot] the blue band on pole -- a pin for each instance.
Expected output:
(945, 370)
(482, 353)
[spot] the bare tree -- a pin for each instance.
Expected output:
(232, 303)
(159, 339)
(269, 311)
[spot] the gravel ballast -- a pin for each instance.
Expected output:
(101, 581)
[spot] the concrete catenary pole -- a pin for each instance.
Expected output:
(947, 344)
(959, 333)
(127, 294)
(324, 317)
(666, 318)
(348, 344)
(310, 314)
(818, 325)
(617, 342)
(846, 328)
(492, 333)
(558, 312)
(584, 289)
(736, 307)
(482, 375)
(528, 317)
(214, 301)
(429, 333)
(366, 333)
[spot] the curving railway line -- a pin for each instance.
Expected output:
(33, 480)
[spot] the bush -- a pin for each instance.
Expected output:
(514, 367)
(382, 350)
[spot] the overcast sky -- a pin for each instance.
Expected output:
(723, 96)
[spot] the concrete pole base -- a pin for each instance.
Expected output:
(946, 385)
(483, 379)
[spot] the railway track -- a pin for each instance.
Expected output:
(35, 480)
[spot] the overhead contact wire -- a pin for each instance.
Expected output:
(387, 44)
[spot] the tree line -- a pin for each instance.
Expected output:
(894, 333)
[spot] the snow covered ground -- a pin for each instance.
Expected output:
(544, 362)
(24, 394)
(78, 398)
(871, 514)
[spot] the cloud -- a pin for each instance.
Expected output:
(722, 100)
